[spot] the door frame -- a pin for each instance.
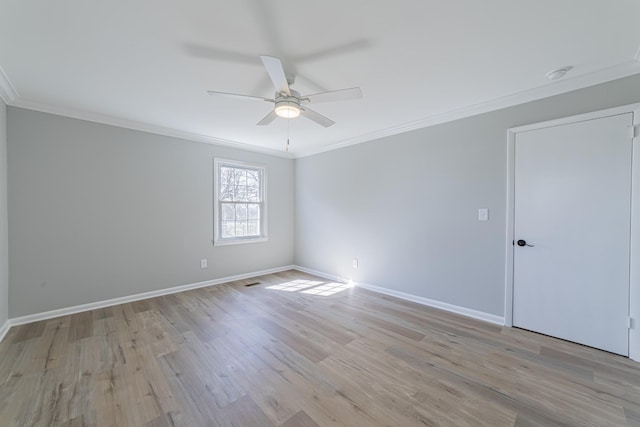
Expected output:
(634, 274)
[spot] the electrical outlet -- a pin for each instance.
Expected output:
(203, 263)
(355, 263)
(483, 214)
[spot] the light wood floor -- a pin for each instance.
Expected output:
(295, 351)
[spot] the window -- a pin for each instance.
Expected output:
(240, 202)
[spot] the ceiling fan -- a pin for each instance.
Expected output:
(288, 103)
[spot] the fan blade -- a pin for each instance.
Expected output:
(276, 73)
(267, 119)
(317, 117)
(238, 96)
(334, 95)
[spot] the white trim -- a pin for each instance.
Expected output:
(625, 109)
(467, 312)
(239, 241)
(321, 274)
(8, 92)
(624, 69)
(145, 127)
(480, 315)
(137, 297)
(508, 268)
(634, 273)
(4, 329)
(634, 279)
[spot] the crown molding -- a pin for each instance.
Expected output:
(145, 127)
(628, 68)
(8, 93)
(622, 70)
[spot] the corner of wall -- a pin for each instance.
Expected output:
(4, 239)
(294, 240)
(4, 329)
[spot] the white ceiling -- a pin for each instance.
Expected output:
(148, 64)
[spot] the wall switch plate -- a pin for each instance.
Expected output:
(483, 214)
(355, 263)
(203, 263)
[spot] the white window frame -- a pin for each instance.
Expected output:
(218, 240)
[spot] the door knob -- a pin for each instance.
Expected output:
(524, 243)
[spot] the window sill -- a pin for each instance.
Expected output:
(227, 242)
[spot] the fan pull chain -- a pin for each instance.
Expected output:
(288, 132)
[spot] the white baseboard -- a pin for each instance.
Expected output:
(146, 295)
(480, 315)
(320, 274)
(131, 298)
(4, 329)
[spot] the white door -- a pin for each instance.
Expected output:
(573, 208)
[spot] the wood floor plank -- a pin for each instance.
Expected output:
(291, 352)
(633, 417)
(81, 326)
(28, 331)
(303, 346)
(244, 412)
(300, 419)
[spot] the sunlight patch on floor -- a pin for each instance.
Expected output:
(295, 285)
(328, 289)
(311, 287)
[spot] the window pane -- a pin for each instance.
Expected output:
(226, 192)
(224, 173)
(252, 179)
(240, 185)
(241, 229)
(228, 211)
(253, 194)
(227, 183)
(228, 229)
(241, 211)
(240, 193)
(253, 211)
(253, 227)
(253, 186)
(242, 177)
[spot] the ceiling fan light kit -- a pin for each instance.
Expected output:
(287, 109)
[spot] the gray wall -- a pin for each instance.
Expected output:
(99, 212)
(4, 236)
(406, 206)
